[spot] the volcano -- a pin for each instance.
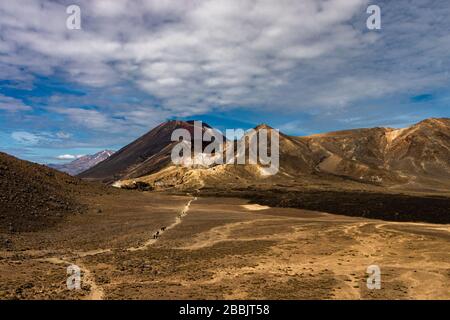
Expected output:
(146, 155)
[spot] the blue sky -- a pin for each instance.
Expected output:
(300, 66)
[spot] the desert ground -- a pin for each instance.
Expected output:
(223, 248)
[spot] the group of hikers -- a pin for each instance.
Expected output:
(158, 233)
(179, 216)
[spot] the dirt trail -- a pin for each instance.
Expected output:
(374, 242)
(96, 292)
(225, 233)
(158, 233)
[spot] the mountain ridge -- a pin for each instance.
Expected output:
(413, 156)
(82, 163)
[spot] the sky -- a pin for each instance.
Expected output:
(301, 66)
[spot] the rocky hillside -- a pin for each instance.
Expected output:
(416, 155)
(33, 196)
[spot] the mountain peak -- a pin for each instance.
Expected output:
(440, 121)
(178, 124)
(204, 124)
(263, 126)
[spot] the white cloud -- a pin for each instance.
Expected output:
(195, 55)
(191, 54)
(63, 135)
(25, 137)
(68, 157)
(85, 117)
(12, 105)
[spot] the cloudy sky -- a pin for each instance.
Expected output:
(303, 66)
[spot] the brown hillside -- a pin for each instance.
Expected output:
(33, 196)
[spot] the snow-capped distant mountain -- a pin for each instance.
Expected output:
(83, 163)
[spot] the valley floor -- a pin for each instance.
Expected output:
(223, 248)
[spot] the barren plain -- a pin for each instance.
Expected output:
(222, 248)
